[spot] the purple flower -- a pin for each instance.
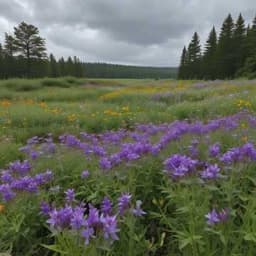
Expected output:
(124, 202)
(106, 206)
(212, 217)
(137, 211)
(224, 214)
(85, 174)
(34, 154)
(211, 172)
(70, 195)
(45, 208)
(214, 150)
(109, 227)
(87, 233)
(179, 165)
(6, 176)
(105, 164)
(21, 168)
(6, 191)
(215, 217)
(60, 219)
(77, 219)
(93, 218)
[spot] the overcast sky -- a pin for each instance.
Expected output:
(139, 32)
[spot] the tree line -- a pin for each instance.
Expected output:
(230, 54)
(23, 54)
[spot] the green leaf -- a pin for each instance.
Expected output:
(54, 248)
(250, 237)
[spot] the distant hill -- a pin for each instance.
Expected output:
(104, 70)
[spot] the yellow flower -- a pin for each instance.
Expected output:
(42, 104)
(72, 117)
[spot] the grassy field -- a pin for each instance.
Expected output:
(127, 167)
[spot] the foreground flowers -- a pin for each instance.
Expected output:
(88, 221)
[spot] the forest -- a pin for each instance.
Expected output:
(230, 55)
(24, 55)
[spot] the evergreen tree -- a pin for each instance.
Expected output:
(1, 62)
(62, 68)
(28, 43)
(225, 50)
(194, 57)
(209, 59)
(239, 43)
(9, 45)
(182, 67)
(53, 67)
(251, 39)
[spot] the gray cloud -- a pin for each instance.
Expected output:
(141, 32)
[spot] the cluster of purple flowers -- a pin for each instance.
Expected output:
(237, 154)
(179, 165)
(37, 146)
(16, 179)
(211, 172)
(132, 145)
(214, 150)
(87, 220)
(214, 217)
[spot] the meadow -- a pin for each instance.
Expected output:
(127, 167)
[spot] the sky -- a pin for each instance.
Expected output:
(133, 32)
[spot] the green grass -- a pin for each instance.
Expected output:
(175, 220)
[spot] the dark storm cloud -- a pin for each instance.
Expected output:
(143, 32)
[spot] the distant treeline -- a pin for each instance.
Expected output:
(23, 54)
(103, 70)
(231, 54)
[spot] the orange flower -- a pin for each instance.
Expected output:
(2, 208)
(5, 103)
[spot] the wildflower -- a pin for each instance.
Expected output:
(105, 164)
(214, 150)
(70, 195)
(45, 208)
(77, 219)
(7, 192)
(20, 167)
(215, 217)
(2, 208)
(211, 172)
(85, 174)
(106, 206)
(6, 176)
(5, 103)
(124, 202)
(109, 227)
(179, 165)
(137, 211)
(87, 233)
(60, 219)
(212, 217)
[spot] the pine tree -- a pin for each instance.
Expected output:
(53, 67)
(62, 67)
(239, 43)
(194, 57)
(1, 62)
(209, 59)
(9, 45)
(182, 67)
(28, 43)
(225, 50)
(251, 39)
